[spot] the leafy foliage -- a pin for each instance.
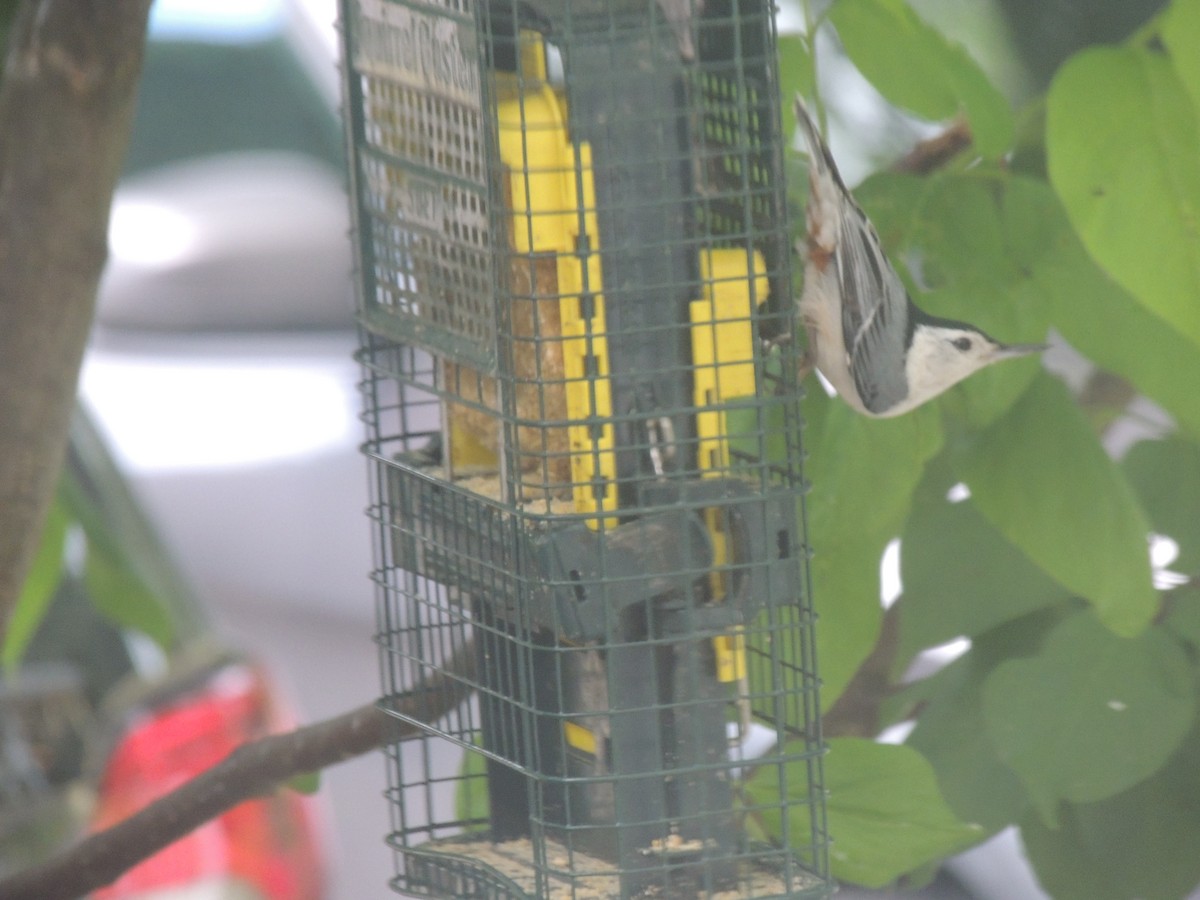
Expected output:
(951, 732)
(1143, 842)
(1089, 695)
(961, 576)
(916, 68)
(1073, 712)
(856, 520)
(118, 587)
(1039, 467)
(1121, 137)
(43, 581)
(1171, 503)
(883, 806)
(110, 573)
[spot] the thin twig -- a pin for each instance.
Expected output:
(931, 154)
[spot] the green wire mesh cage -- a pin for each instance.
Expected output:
(584, 435)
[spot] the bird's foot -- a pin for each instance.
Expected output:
(804, 367)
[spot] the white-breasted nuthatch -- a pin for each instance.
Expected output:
(880, 351)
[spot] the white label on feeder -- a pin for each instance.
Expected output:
(426, 50)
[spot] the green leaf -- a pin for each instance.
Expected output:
(915, 67)
(1181, 34)
(885, 813)
(118, 594)
(40, 585)
(846, 596)
(471, 803)
(977, 786)
(1183, 616)
(1088, 308)
(1041, 478)
(1104, 322)
(961, 577)
(795, 75)
(115, 586)
(1166, 476)
(1121, 134)
(308, 783)
(1073, 721)
(863, 473)
(1144, 842)
(950, 731)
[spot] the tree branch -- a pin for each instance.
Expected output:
(856, 713)
(66, 109)
(931, 154)
(252, 770)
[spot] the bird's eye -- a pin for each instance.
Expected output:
(962, 343)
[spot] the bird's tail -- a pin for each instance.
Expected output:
(827, 194)
(818, 150)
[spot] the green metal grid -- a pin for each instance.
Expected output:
(629, 591)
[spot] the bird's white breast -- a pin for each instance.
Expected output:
(823, 322)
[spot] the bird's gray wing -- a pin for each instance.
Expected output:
(874, 313)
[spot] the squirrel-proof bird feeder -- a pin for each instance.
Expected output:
(583, 426)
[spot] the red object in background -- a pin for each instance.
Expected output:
(268, 844)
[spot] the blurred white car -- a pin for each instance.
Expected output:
(221, 371)
(225, 333)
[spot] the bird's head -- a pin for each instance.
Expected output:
(943, 353)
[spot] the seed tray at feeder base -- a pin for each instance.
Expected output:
(473, 866)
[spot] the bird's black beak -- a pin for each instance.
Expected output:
(1012, 351)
